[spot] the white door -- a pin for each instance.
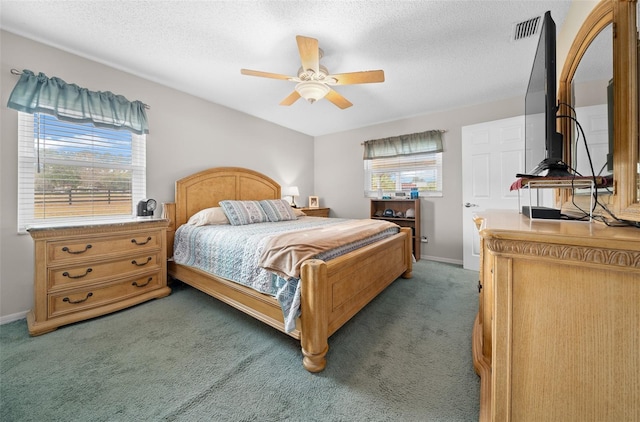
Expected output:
(492, 155)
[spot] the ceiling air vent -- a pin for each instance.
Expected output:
(526, 29)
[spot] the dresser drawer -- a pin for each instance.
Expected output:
(316, 212)
(59, 252)
(92, 297)
(81, 274)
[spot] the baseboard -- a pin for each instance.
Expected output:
(440, 259)
(13, 317)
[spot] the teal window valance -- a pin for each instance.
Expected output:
(41, 94)
(413, 143)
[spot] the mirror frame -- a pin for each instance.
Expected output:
(622, 14)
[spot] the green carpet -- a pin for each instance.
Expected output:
(189, 357)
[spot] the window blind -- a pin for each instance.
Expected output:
(76, 172)
(404, 172)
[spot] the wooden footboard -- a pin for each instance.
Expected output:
(332, 292)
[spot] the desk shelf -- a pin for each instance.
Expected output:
(378, 206)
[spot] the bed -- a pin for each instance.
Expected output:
(331, 292)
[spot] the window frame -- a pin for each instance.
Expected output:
(400, 164)
(27, 168)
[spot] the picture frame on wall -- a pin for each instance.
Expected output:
(314, 202)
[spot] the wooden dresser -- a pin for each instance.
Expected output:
(315, 212)
(89, 270)
(557, 336)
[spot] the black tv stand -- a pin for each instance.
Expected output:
(555, 167)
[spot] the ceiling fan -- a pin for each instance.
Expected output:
(314, 80)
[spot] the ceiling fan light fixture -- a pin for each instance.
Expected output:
(314, 82)
(312, 91)
(310, 75)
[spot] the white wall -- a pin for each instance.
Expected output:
(339, 172)
(187, 134)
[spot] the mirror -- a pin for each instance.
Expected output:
(581, 86)
(589, 86)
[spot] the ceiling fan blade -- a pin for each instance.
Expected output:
(292, 98)
(338, 99)
(264, 74)
(309, 53)
(366, 77)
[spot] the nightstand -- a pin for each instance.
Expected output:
(315, 212)
(83, 271)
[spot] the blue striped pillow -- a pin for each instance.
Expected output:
(243, 212)
(278, 210)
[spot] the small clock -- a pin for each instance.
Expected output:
(146, 207)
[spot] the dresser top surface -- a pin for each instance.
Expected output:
(44, 229)
(509, 224)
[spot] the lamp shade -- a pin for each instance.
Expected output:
(291, 191)
(312, 91)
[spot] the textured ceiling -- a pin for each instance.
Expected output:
(436, 55)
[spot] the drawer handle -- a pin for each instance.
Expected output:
(86, 248)
(66, 299)
(66, 274)
(134, 262)
(135, 283)
(143, 243)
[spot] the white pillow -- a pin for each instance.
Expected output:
(298, 212)
(208, 216)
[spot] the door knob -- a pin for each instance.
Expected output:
(469, 205)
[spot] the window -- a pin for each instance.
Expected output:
(76, 172)
(402, 163)
(404, 172)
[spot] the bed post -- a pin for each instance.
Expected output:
(408, 256)
(314, 315)
(169, 212)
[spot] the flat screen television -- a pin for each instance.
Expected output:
(543, 144)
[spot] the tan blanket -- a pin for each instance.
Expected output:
(284, 253)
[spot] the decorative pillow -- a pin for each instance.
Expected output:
(243, 212)
(298, 212)
(208, 216)
(278, 210)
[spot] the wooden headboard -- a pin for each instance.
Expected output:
(207, 188)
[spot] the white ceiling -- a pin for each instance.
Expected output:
(436, 55)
